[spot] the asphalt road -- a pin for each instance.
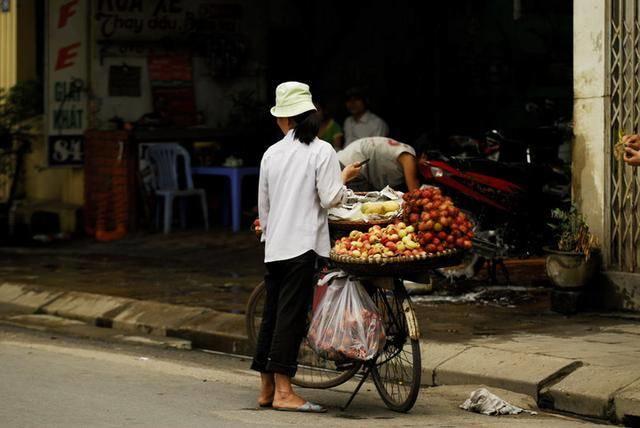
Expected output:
(53, 381)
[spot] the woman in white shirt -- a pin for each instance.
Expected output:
(300, 179)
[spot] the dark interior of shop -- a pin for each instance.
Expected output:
(440, 68)
(431, 70)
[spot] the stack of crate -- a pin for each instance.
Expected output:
(110, 179)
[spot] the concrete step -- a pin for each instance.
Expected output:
(64, 326)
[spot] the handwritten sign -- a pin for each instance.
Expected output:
(117, 19)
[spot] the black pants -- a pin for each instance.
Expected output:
(289, 286)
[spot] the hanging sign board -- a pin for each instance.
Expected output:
(66, 81)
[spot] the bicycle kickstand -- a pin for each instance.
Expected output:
(365, 375)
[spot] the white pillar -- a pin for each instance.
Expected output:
(590, 113)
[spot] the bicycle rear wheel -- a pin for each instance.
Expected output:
(398, 368)
(313, 371)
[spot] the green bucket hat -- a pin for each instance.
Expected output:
(292, 99)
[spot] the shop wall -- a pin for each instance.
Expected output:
(17, 43)
(8, 48)
(43, 183)
(129, 33)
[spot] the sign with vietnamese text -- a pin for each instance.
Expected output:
(66, 80)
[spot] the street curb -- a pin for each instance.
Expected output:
(27, 297)
(515, 371)
(96, 309)
(205, 328)
(443, 363)
(589, 391)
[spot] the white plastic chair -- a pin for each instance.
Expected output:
(164, 158)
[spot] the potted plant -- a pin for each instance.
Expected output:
(575, 260)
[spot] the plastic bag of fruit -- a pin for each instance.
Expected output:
(346, 323)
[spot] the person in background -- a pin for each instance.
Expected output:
(330, 131)
(300, 179)
(632, 149)
(159, 117)
(391, 163)
(362, 123)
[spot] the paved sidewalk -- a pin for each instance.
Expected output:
(194, 287)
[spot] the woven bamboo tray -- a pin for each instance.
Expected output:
(360, 225)
(396, 266)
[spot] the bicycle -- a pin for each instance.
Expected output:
(396, 370)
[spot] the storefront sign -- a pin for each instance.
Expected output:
(156, 19)
(66, 80)
(124, 18)
(66, 150)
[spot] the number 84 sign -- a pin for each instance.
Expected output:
(65, 150)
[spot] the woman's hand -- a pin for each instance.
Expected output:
(632, 141)
(350, 172)
(632, 149)
(632, 156)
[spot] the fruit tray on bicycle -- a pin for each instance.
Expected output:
(396, 266)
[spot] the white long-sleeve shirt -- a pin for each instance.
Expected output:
(369, 125)
(298, 183)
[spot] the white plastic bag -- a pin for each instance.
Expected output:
(346, 323)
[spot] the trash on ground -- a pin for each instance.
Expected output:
(483, 401)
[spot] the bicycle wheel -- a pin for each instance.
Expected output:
(313, 371)
(398, 367)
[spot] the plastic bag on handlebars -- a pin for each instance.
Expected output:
(346, 324)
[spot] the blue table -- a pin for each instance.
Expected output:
(235, 176)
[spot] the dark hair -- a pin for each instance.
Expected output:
(307, 126)
(357, 92)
